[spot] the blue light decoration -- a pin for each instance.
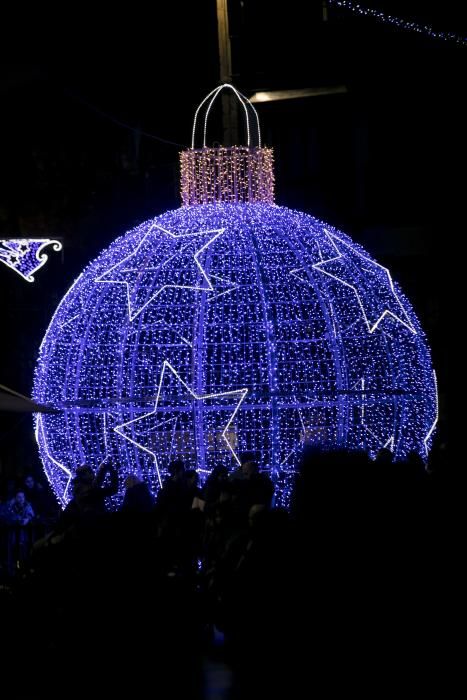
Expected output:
(226, 325)
(398, 22)
(25, 255)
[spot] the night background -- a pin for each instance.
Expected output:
(96, 106)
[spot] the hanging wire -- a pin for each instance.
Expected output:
(119, 122)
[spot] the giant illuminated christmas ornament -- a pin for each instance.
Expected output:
(230, 324)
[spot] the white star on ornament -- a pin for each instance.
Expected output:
(299, 444)
(383, 445)
(138, 270)
(109, 420)
(300, 274)
(68, 312)
(41, 439)
(430, 432)
(380, 298)
(149, 422)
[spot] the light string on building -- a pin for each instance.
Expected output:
(398, 22)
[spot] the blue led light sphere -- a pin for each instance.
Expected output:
(214, 329)
(230, 325)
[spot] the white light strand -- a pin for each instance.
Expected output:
(398, 22)
(244, 101)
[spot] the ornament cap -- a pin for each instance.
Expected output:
(227, 174)
(235, 174)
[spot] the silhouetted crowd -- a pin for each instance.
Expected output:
(211, 591)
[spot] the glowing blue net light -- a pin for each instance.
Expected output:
(225, 327)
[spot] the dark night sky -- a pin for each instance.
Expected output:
(379, 162)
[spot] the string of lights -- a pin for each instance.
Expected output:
(235, 174)
(398, 22)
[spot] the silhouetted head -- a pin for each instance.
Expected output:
(29, 481)
(20, 498)
(132, 480)
(84, 473)
(384, 456)
(220, 473)
(249, 465)
(177, 468)
(415, 460)
(255, 513)
(191, 477)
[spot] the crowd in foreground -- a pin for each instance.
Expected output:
(356, 589)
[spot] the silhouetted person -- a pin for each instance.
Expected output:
(251, 487)
(215, 483)
(34, 492)
(138, 498)
(19, 514)
(384, 456)
(172, 498)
